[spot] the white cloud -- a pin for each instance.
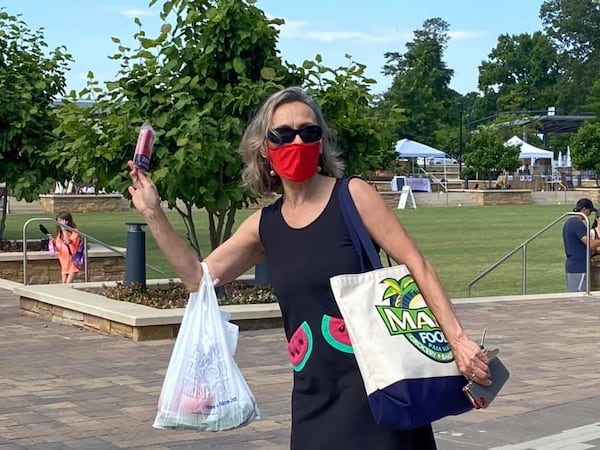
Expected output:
(461, 35)
(132, 13)
(79, 76)
(298, 29)
(301, 29)
(359, 36)
(136, 12)
(292, 28)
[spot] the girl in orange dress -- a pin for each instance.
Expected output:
(65, 245)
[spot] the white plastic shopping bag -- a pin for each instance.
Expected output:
(203, 387)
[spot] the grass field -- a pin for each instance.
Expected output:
(460, 243)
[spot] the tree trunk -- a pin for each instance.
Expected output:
(188, 220)
(230, 222)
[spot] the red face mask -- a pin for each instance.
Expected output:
(295, 162)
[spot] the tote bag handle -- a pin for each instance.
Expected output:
(362, 242)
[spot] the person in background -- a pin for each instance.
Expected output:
(595, 228)
(64, 244)
(288, 148)
(524, 170)
(575, 240)
(595, 232)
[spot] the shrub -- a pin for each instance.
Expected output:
(175, 295)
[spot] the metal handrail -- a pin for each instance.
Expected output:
(443, 184)
(86, 237)
(523, 247)
(435, 179)
(562, 187)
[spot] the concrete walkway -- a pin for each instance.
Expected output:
(65, 388)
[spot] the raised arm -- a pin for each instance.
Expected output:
(240, 252)
(385, 228)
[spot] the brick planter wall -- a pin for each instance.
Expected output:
(76, 305)
(53, 313)
(103, 265)
(55, 203)
(391, 198)
(502, 196)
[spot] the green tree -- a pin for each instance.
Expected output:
(593, 99)
(198, 83)
(585, 147)
(89, 145)
(30, 80)
(521, 73)
(573, 27)
(420, 84)
(488, 155)
(364, 135)
(585, 143)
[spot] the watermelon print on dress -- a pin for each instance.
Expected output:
(300, 346)
(336, 334)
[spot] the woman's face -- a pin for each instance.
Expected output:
(294, 115)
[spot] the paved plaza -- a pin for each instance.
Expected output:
(66, 388)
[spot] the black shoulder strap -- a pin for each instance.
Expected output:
(362, 242)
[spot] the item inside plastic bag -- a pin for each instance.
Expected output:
(203, 387)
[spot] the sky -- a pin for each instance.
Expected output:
(365, 30)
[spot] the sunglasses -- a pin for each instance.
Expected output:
(286, 135)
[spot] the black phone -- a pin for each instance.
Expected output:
(481, 396)
(44, 230)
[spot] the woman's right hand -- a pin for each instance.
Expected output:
(143, 192)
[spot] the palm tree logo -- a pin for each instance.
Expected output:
(409, 316)
(403, 293)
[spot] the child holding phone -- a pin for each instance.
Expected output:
(64, 244)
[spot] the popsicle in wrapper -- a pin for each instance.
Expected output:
(143, 148)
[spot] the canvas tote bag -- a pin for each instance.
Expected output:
(407, 365)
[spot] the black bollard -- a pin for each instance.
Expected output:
(135, 258)
(262, 274)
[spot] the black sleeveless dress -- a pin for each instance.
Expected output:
(329, 404)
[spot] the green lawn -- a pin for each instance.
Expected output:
(460, 243)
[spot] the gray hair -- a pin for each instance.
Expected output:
(256, 174)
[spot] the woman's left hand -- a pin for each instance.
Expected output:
(144, 194)
(471, 361)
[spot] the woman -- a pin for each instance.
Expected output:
(595, 235)
(595, 229)
(64, 244)
(288, 147)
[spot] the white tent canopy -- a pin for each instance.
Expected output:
(405, 148)
(528, 150)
